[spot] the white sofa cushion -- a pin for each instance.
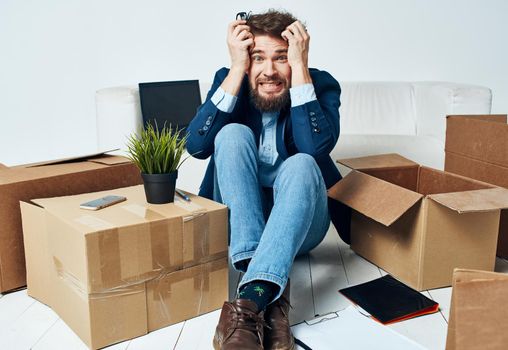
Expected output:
(407, 108)
(377, 108)
(426, 150)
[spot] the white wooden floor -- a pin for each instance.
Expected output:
(315, 279)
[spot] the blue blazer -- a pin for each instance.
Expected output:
(312, 128)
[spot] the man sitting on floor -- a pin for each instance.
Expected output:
(268, 123)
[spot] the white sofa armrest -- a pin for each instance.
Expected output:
(118, 115)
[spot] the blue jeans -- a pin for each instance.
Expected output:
(269, 231)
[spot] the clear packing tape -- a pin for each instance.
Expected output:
(155, 254)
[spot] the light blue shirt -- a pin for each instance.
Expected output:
(269, 159)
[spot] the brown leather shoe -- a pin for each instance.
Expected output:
(278, 334)
(240, 326)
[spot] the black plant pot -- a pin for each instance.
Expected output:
(160, 188)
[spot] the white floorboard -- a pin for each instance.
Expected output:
(315, 281)
(198, 332)
(429, 330)
(358, 270)
(302, 300)
(162, 339)
(328, 275)
(12, 306)
(443, 297)
(59, 337)
(28, 328)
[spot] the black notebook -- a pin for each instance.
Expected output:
(390, 301)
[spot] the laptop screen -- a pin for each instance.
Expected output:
(169, 103)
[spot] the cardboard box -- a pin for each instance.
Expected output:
(56, 178)
(477, 147)
(478, 311)
(128, 269)
(418, 223)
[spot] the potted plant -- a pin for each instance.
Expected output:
(157, 154)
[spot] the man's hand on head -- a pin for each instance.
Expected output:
(298, 53)
(298, 40)
(239, 39)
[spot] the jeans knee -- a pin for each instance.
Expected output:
(234, 135)
(301, 160)
(302, 167)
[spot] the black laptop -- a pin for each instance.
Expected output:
(169, 102)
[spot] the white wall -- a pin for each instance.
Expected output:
(55, 54)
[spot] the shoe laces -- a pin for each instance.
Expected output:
(249, 321)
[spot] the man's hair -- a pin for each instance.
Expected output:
(271, 23)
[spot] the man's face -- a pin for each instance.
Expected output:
(269, 73)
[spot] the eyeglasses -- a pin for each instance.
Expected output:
(243, 15)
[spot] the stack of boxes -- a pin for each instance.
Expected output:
(128, 269)
(116, 273)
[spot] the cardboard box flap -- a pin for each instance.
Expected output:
(110, 160)
(3, 166)
(69, 159)
(42, 202)
(382, 201)
(474, 201)
(381, 161)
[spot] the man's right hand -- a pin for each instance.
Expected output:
(239, 39)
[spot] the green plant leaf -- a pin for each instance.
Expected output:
(157, 151)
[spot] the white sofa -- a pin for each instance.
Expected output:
(408, 118)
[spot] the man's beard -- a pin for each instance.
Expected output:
(270, 104)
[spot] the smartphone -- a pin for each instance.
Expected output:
(103, 202)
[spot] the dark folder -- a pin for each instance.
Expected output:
(390, 301)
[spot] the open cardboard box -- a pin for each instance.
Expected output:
(419, 223)
(478, 311)
(125, 270)
(89, 173)
(477, 147)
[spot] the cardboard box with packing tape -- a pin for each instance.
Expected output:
(419, 223)
(128, 269)
(95, 172)
(477, 147)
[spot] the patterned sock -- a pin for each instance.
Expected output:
(260, 292)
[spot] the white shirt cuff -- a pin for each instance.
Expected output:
(302, 94)
(224, 101)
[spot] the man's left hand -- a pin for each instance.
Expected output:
(298, 40)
